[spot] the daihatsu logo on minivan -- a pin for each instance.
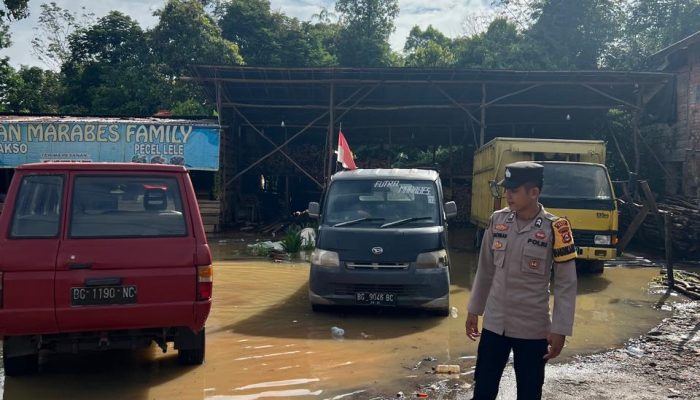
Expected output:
(377, 251)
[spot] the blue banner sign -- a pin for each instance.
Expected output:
(194, 146)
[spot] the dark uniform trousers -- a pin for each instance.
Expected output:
(492, 357)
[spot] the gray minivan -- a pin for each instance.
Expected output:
(382, 241)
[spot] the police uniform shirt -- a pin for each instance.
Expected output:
(512, 284)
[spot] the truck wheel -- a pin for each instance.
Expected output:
(596, 267)
(19, 365)
(591, 266)
(193, 356)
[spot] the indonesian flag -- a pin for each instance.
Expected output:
(344, 153)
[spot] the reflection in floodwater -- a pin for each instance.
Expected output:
(264, 341)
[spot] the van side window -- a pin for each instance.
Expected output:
(126, 206)
(38, 207)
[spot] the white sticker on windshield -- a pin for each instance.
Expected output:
(383, 184)
(410, 189)
(431, 199)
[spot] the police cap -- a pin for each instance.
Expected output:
(519, 173)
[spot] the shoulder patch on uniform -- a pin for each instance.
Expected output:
(563, 248)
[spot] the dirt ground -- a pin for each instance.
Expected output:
(664, 363)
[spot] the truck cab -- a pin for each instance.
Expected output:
(577, 187)
(382, 241)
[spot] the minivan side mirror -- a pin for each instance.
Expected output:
(314, 209)
(450, 209)
(493, 186)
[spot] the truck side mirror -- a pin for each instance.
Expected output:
(494, 189)
(450, 209)
(314, 209)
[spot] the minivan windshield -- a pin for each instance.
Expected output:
(382, 203)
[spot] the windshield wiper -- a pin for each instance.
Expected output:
(403, 221)
(355, 221)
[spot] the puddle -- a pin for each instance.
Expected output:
(263, 341)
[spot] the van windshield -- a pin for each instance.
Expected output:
(382, 203)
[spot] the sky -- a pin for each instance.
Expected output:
(446, 15)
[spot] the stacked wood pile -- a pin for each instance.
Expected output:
(461, 194)
(210, 211)
(685, 217)
(687, 283)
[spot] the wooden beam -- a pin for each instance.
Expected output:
(469, 113)
(278, 148)
(407, 81)
(602, 93)
(482, 123)
(331, 128)
(632, 229)
(420, 106)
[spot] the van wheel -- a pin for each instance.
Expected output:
(319, 308)
(19, 365)
(193, 356)
(441, 312)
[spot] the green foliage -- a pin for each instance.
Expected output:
(269, 38)
(32, 90)
(110, 70)
(55, 26)
(185, 34)
(364, 35)
(429, 48)
(291, 241)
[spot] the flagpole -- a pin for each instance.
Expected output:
(340, 129)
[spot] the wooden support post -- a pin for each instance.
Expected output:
(632, 229)
(668, 244)
(452, 169)
(651, 201)
(329, 139)
(221, 189)
(483, 115)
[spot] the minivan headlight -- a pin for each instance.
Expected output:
(602, 240)
(434, 259)
(325, 258)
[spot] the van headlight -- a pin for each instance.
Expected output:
(434, 259)
(603, 240)
(325, 258)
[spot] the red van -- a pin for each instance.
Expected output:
(97, 256)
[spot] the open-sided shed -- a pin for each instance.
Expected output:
(282, 122)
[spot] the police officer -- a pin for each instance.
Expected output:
(522, 246)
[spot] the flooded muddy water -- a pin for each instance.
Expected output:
(263, 340)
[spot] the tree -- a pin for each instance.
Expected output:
(55, 26)
(651, 25)
(33, 90)
(573, 34)
(110, 70)
(429, 48)
(365, 29)
(269, 38)
(9, 10)
(252, 25)
(185, 35)
(502, 46)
